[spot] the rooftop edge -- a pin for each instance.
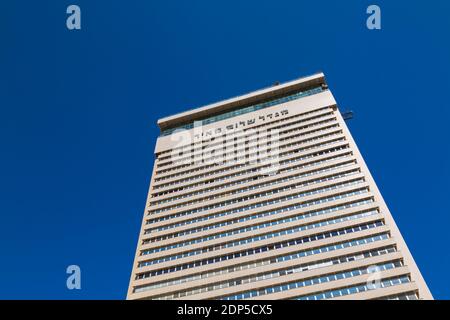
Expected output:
(234, 103)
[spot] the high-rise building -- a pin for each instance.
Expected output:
(266, 196)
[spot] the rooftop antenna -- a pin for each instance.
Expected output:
(347, 115)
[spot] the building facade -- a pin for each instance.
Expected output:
(266, 196)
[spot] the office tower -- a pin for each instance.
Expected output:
(266, 196)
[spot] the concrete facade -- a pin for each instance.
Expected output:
(266, 196)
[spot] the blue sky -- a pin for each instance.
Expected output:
(79, 111)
